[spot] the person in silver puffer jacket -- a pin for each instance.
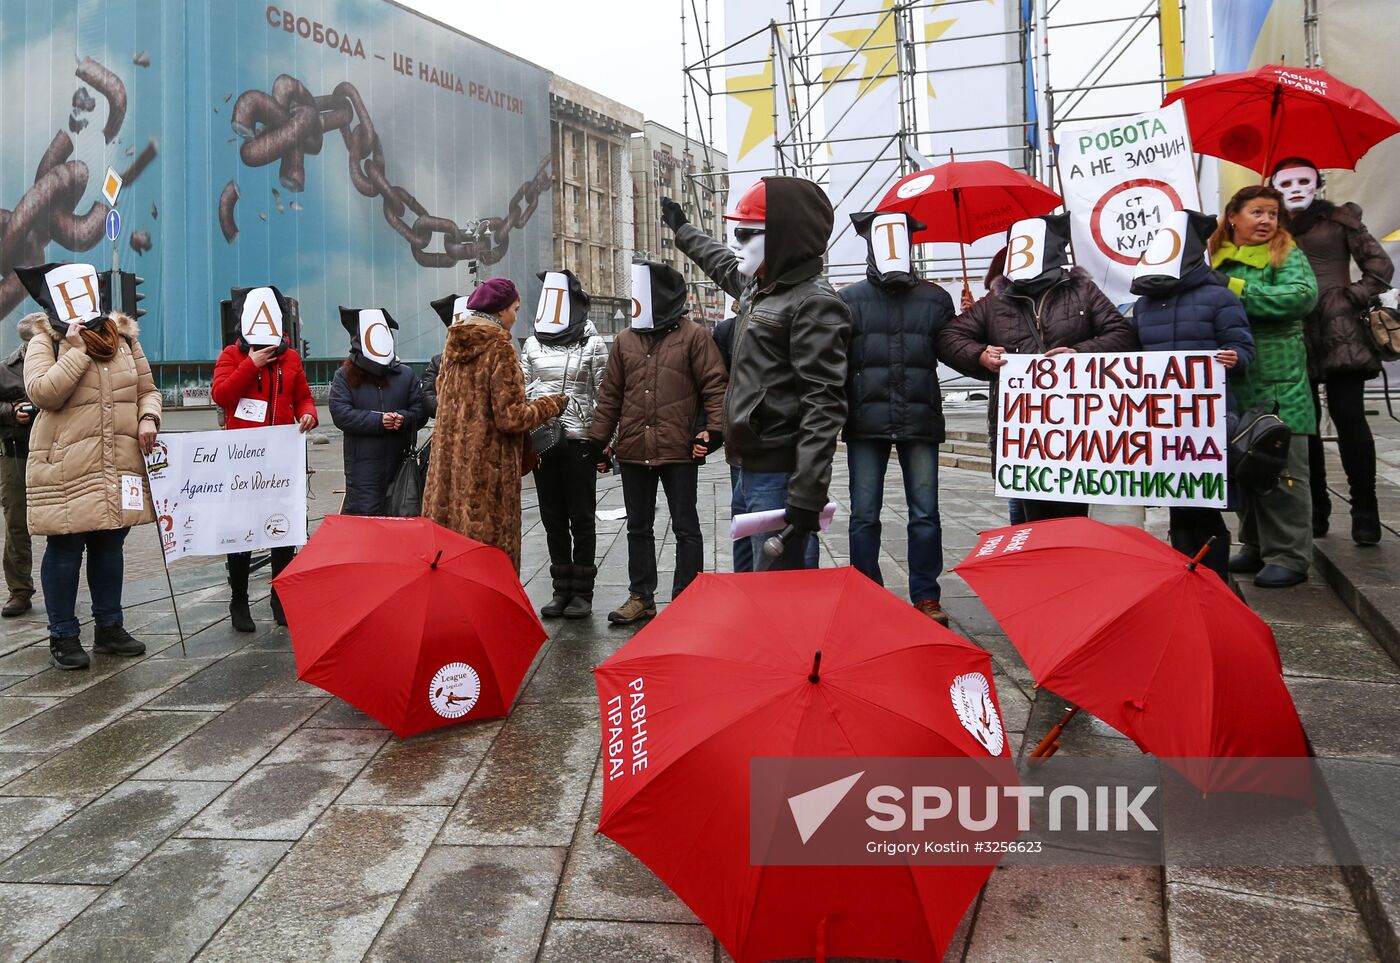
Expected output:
(566, 355)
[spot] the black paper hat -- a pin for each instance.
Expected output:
(379, 359)
(448, 309)
(67, 292)
(1178, 247)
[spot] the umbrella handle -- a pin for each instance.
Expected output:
(1200, 556)
(1051, 743)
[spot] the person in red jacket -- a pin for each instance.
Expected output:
(259, 381)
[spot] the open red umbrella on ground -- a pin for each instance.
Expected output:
(409, 622)
(1119, 622)
(728, 673)
(1257, 117)
(964, 201)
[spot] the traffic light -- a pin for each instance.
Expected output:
(131, 294)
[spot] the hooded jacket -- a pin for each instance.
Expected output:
(372, 452)
(892, 390)
(546, 366)
(1333, 237)
(482, 423)
(84, 437)
(14, 435)
(281, 384)
(786, 402)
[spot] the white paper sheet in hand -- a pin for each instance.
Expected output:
(757, 523)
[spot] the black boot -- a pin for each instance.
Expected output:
(238, 613)
(278, 615)
(67, 653)
(1365, 521)
(581, 603)
(1321, 519)
(563, 582)
(115, 640)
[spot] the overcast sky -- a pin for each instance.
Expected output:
(629, 50)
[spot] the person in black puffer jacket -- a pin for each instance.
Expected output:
(894, 401)
(379, 407)
(1183, 305)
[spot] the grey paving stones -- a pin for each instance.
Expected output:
(474, 905)
(319, 745)
(233, 743)
(566, 672)
(16, 709)
(1212, 924)
(430, 769)
(29, 915)
(329, 896)
(275, 801)
(111, 835)
(1333, 651)
(230, 680)
(165, 909)
(603, 942)
(13, 764)
(108, 756)
(28, 818)
(1348, 718)
(337, 714)
(529, 790)
(1090, 914)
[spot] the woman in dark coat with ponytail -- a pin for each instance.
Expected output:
(377, 402)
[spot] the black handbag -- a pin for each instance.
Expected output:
(1259, 450)
(405, 496)
(551, 433)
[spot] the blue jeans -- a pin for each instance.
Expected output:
(63, 560)
(764, 491)
(918, 462)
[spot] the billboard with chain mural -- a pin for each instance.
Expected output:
(347, 151)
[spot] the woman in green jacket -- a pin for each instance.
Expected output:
(1274, 280)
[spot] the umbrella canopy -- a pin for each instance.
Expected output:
(1118, 622)
(1257, 117)
(965, 201)
(409, 622)
(726, 675)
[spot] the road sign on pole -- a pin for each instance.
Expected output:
(111, 187)
(114, 225)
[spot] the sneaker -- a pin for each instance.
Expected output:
(1276, 576)
(933, 610)
(67, 653)
(634, 609)
(115, 640)
(17, 605)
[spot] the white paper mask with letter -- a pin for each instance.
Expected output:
(552, 314)
(889, 243)
(1037, 245)
(642, 319)
(260, 322)
(73, 289)
(376, 336)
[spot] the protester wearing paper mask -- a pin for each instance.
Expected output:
(259, 381)
(566, 355)
(898, 325)
(452, 309)
(1183, 305)
(663, 396)
(481, 439)
(99, 412)
(786, 402)
(1272, 277)
(1342, 354)
(377, 403)
(1040, 305)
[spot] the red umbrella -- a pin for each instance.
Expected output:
(726, 674)
(965, 201)
(1119, 622)
(411, 623)
(1256, 117)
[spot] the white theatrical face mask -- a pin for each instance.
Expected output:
(642, 319)
(1298, 185)
(376, 337)
(1025, 250)
(552, 313)
(73, 290)
(750, 251)
(889, 243)
(261, 323)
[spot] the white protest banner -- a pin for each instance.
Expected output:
(1144, 428)
(1120, 181)
(219, 492)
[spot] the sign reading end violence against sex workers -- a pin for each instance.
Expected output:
(219, 492)
(1117, 429)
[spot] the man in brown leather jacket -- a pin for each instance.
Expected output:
(786, 403)
(16, 419)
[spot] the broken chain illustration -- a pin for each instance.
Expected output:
(290, 123)
(46, 212)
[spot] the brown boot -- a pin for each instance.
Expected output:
(17, 605)
(634, 609)
(933, 610)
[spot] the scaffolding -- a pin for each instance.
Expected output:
(1073, 66)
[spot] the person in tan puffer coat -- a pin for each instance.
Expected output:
(99, 411)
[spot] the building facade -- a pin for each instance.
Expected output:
(593, 219)
(666, 164)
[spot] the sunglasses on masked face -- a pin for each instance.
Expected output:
(743, 235)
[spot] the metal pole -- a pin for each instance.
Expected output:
(160, 542)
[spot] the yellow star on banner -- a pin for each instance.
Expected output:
(878, 65)
(1392, 236)
(756, 93)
